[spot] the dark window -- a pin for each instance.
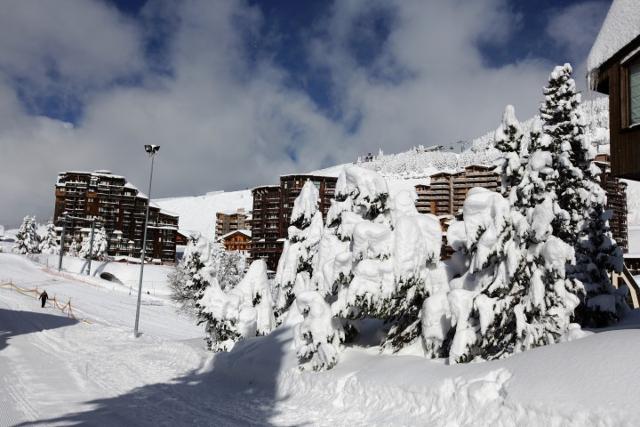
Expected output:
(634, 93)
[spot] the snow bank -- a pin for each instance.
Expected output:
(545, 386)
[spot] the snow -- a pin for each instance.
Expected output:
(57, 371)
(239, 307)
(198, 213)
(306, 204)
(620, 27)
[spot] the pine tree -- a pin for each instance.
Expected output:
(192, 276)
(509, 139)
(27, 238)
(97, 249)
(75, 246)
(49, 241)
(580, 195)
(318, 336)
(230, 269)
(381, 254)
(242, 312)
(538, 176)
(515, 295)
(300, 248)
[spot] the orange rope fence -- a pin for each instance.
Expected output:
(35, 293)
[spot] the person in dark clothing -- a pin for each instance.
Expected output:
(43, 298)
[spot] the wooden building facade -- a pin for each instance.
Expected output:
(237, 240)
(614, 69)
(446, 192)
(118, 206)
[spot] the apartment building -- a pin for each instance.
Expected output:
(271, 214)
(117, 205)
(226, 223)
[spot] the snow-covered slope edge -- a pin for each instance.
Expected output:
(591, 381)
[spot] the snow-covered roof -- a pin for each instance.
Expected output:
(231, 233)
(620, 27)
(322, 173)
(265, 186)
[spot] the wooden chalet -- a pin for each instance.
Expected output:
(237, 240)
(614, 69)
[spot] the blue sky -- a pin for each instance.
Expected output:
(288, 24)
(275, 86)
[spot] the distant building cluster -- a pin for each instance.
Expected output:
(260, 234)
(118, 206)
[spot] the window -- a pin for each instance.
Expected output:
(634, 93)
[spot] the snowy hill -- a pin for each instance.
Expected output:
(59, 371)
(198, 213)
(421, 161)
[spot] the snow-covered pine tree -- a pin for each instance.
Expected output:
(187, 281)
(377, 255)
(318, 336)
(242, 312)
(230, 269)
(515, 295)
(571, 153)
(49, 241)
(300, 248)
(580, 194)
(510, 141)
(75, 246)
(538, 177)
(27, 238)
(100, 244)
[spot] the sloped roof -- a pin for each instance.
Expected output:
(620, 27)
(231, 233)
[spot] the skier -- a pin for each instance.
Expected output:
(43, 298)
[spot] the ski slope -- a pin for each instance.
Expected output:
(58, 371)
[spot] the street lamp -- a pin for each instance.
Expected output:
(151, 150)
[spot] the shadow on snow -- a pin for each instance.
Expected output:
(240, 389)
(13, 322)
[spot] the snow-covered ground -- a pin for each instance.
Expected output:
(56, 371)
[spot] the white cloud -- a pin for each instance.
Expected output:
(575, 27)
(79, 42)
(225, 121)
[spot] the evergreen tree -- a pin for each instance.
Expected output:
(538, 176)
(75, 246)
(318, 336)
(242, 312)
(581, 196)
(300, 248)
(376, 257)
(571, 152)
(510, 140)
(97, 250)
(515, 295)
(27, 238)
(191, 276)
(230, 269)
(49, 241)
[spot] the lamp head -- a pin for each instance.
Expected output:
(151, 149)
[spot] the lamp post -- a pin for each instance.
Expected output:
(62, 237)
(151, 151)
